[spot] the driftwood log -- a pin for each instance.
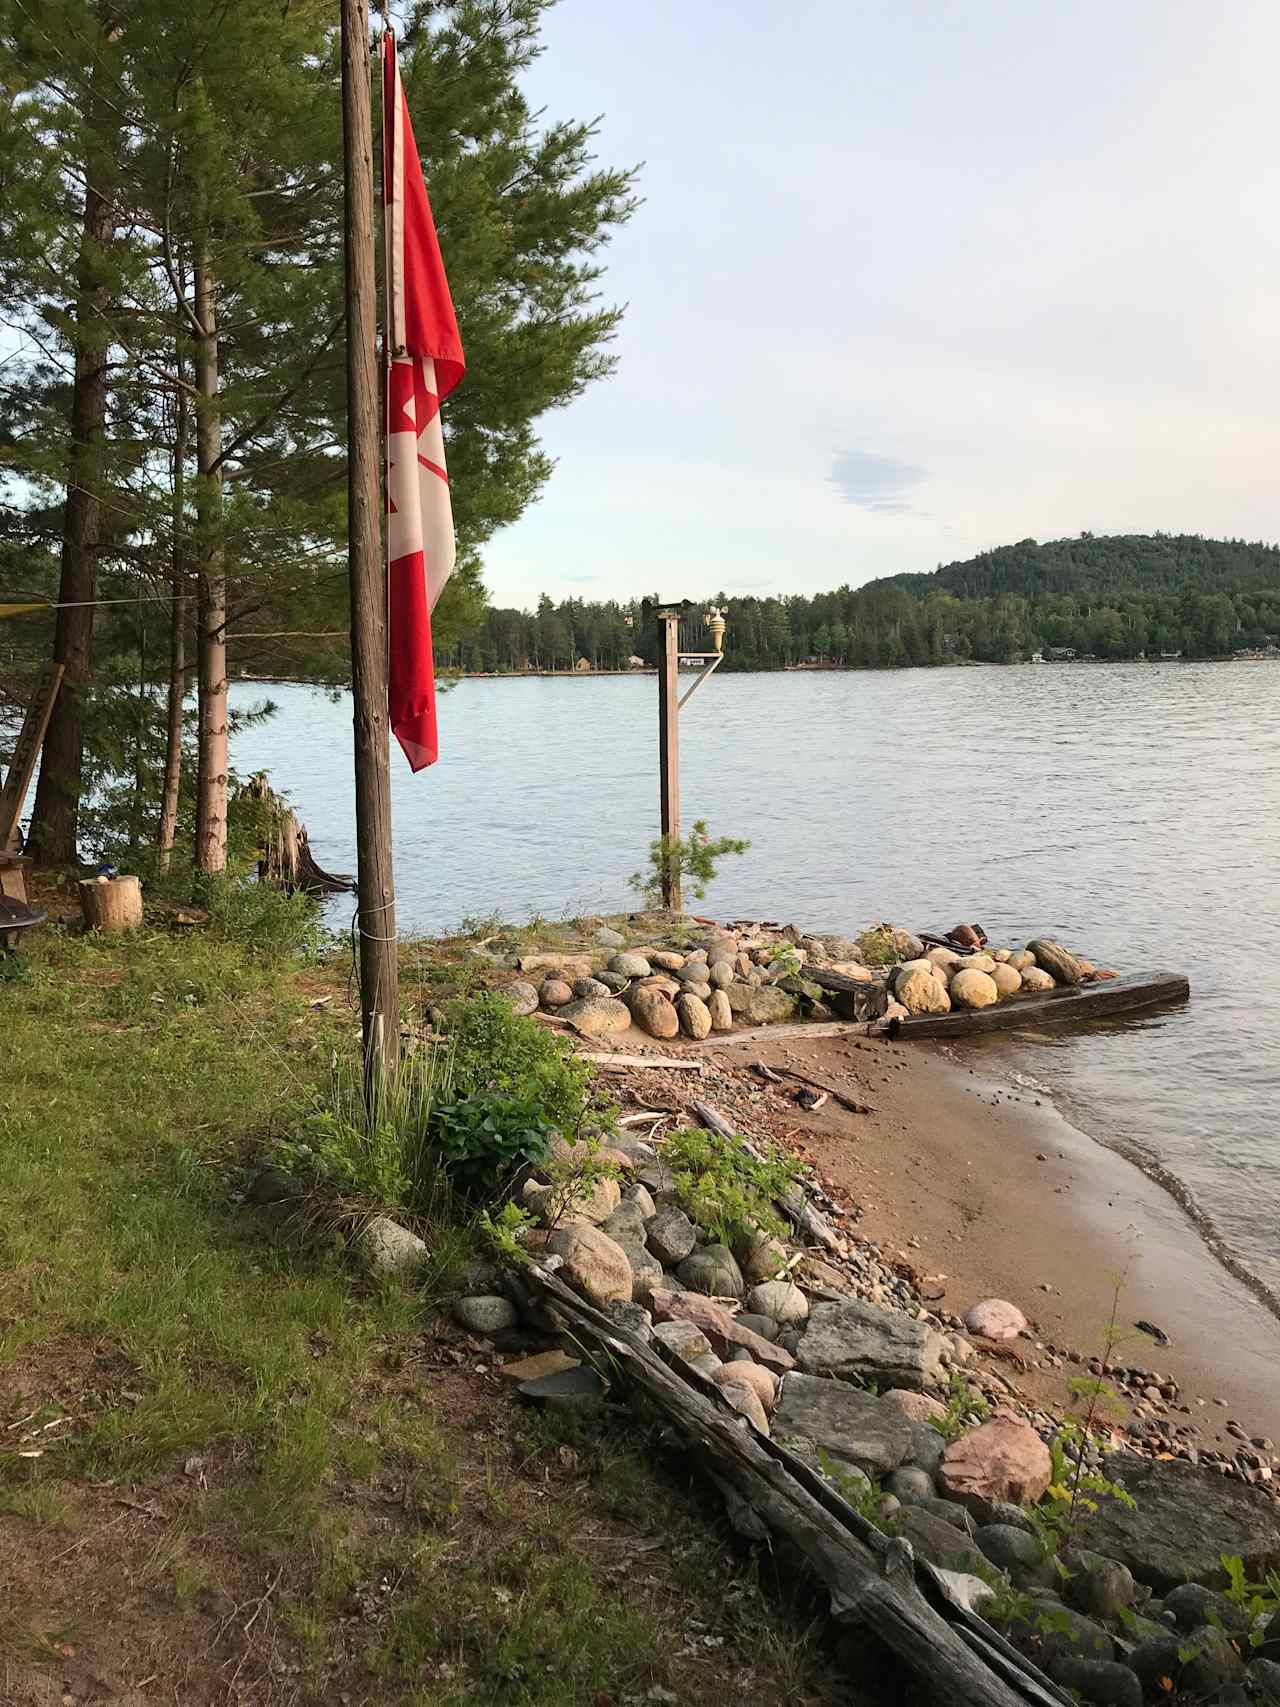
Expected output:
(955, 1659)
(111, 904)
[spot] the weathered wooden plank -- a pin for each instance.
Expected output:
(848, 1555)
(1071, 1002)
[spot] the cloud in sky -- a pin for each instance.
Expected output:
(876, 483)
(1059, 323)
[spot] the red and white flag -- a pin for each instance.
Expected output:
(425, 363)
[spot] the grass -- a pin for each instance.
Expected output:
(259, 1479)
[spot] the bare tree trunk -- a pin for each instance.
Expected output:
(211, 659)
(177, 641)
(55, 815)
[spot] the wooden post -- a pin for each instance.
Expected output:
(25, 754)
(379, 967)
(669, 750)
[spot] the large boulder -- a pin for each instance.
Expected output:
(555, 993)
(588, 1200)
(630, 965)
(921, 993)
(830, 1416)
(768, 1005)
(523, 996)
(646, 1270)
(389, 1248)
(782, 1300)
(860, 1342)
(695, 1017)
(1004, 1459)
(665, 959)
(1006, 980)
(720, 1011)
(1037, 980)
(670, 1235)
(995, 1319)
(596, 1016)
(973, 989)
(1059, 962)
(723, 1330)
(654, 1012)
(1185, 1518)
(712, 1269)
(592, 1263)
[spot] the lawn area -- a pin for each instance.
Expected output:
(233, 1471)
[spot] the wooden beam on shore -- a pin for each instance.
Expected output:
(955, 1658)
(625, 1063)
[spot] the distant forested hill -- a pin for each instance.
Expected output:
(1117, 596)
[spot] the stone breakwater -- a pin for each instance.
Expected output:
(906, 1408)
(669, 986)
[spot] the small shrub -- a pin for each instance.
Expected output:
(1070, 1498)
(672, 860)
(877, 948)
(722, 1187)
(485, 1139)
(965, 1410)
(497, 1050)
(265, 923)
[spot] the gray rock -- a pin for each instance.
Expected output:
(639, 1195)
(1057, 1633)
(1103, 1683)
(658, 1180)
(1001, 1511)
(1057, 961)
(590, 987)
(597, 1016)
(523, 996)
(712, 1269)
(1214, 1664)
(1018, 1553)
(706, 1365)
(721, 974)
(927, 1447)
(720, 1011)
(614, 981)
(567, 1389)
(626, 1224)
(485, 1315)
(765, 1326)
(631, 1318)
(555, 993)
(939, 1542)
(695, 1017)
(1153, 1658)
(781, 1299)
(911, 1485)
(949, 1512)
(851, 1339)
(670, 1235)
(759, 1006)
(851, 1425)
(1097, 1586)
(630, 965)
(1185, 1519)
(646, 1270)
(1192, 1604)
(389, 1248)
(1264, 1680)
(682, 1338)
(607, 937)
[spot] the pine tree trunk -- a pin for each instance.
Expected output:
(212, 749)
(177, 643)
(55, 815)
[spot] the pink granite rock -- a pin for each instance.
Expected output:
(995, 1319)
(1005, 1459)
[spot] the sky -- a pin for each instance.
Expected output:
(913, 279)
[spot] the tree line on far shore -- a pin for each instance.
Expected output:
(1119, 596)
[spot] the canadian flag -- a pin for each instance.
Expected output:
(425, 363)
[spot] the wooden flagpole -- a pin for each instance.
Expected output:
(379, 966)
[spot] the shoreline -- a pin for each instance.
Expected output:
(990, 1184)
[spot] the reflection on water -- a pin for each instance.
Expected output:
(1128, 809)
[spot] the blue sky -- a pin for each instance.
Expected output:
(912, 279)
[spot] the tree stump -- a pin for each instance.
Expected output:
(111, 904)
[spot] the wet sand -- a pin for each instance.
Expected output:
(988, 1185)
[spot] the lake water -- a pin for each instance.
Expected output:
(1131, 810)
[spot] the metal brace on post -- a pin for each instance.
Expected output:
(670, 705)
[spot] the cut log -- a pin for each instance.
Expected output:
(852, 998)
(111, 904)
(955, 1658)
(1070, 1002)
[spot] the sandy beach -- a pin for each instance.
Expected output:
(988, 1187)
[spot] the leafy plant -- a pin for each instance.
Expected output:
(503, 1232)
(860, 1492)
(724, 1188)
(1071, 1493)
(497, 1050)
(965, 1410)
(1257, 1600)
(484, 1140)
(672, 860)
(878, 948)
